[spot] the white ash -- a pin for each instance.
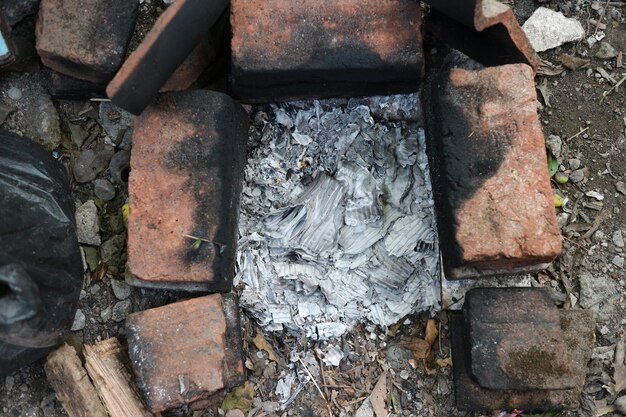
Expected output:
(337, 224)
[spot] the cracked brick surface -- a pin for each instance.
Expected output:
(186, 351)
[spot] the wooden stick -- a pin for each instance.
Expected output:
(73, 388)
(105, 363)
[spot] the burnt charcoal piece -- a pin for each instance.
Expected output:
(189, 151)
(321, 49)
(85, 39)
(505, 358)
(487, 154)
(186, 351)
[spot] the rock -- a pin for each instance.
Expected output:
(14, 94)
(121, 310)
(9, 382)
(554, 144)
(618, 239)
(36, 117)
(87, 227)
(620, 404)
(104, 190)
(594, 290)
(547, 29)
(115, 121)
(119, 167)
(79, 321)
(577, 176)
(111, 250)
(606, 51)
(92, 162)
(121, 289)
(574, 163)
(365, 410)
(79, 134)
(618, 261)
(598, 237)
(5, 111)
(106, 314)
(91, 257)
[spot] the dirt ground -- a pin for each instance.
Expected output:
(580, 106)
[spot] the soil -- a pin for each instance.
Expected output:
(591, 124)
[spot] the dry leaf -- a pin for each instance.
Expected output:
(547, 68)
(445, 362)
(261, 344)
(419, 347)
(572, 62)
(378, 395)
(619, 368)
(431, 332)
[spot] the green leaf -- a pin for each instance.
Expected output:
(553, 164)
(546, 414)
(196, 244)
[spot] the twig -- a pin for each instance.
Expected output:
(606, 12)
(578, 134)
(316, 386)
(606, 93)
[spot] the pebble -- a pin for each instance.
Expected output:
(104, 190)
(235, 413)
(92, 162)
(404, 374)
(618, 261)
(598, 236)
(606, 51)
(120, 288)
(574, 163)
(594, 289)
(79, 321)
(555, 145)
(9, 382)
(87, 228)
(95, 289)
(121, 310)
(105, 315)
(14, 93)
(618, 239)
(577, 176)
(111, 250)
(119, 164)
(79, 134)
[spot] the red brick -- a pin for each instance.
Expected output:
(85, 39)
(325, 48)
(189, 150)
(186, 351)
(170, 41)
(494, 200)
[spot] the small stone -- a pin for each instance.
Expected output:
(235, 413)
(618, 239)
(554, 144)
(604, 330)
(111, 250)
(95, 289)
(598, 236)
(87, 228)
(121, 289)
(106, 314)
(618, 261)
(79, 321)
(119, 167)
(547, 29)
(365, 410)
(574, 163)
(404, 374)
(79, 134)
(9, 382)
(14, 93)
(577, 176)
(91, 257)
(606, 51)
(92, 162)
(620, 404)
(121, 310)
(104, 190)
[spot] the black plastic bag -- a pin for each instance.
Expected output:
(41, 270)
